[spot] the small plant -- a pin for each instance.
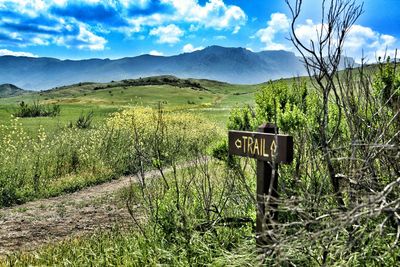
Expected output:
(84, 121)
(36, 110)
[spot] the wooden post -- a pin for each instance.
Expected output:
(269, 148)
(266, 177)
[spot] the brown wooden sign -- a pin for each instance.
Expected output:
(267, 147)
(261, 146)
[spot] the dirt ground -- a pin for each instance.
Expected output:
(28, 226)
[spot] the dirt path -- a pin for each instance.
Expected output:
(30, 225)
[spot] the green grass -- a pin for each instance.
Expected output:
(44, 163)
(161, 237)
(120, 247)
(214, 103)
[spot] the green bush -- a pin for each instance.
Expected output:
(83, 122)
(321, 222)
(36, 110)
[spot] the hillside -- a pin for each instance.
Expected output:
(8, 90)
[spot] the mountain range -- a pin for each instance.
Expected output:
(233, 65)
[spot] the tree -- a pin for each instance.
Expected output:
(322, 57)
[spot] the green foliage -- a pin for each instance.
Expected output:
(193, 207)
(242, 119)
(182, 225)
(283, 104)
(360, 119)
(220, 150)
(36, 110)
(186, 211)
(84, 121)
(387, 84)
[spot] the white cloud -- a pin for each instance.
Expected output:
(189, 48)
(6, 52)
(156, 53)
(167, 34)
(220, 37)
(307, 32)
(214, 14)
(90, 40)
(59, 21)
(30, 8)
(360, 41)
(139, 3)
(363, 41)
(236, 30)
(194, 28)
(278, 23)
(40, 40)
(85, 40)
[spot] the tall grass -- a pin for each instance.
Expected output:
(43, 165)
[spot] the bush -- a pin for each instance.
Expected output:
(342, 221)
(84, 121)
(36, 110)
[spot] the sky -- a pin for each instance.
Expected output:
(112, 29)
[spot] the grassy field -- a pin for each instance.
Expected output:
(214, 101)
(201, 212)
(45, 156)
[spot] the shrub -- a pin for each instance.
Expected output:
(347, 223)
(84, 121)
(36, 110)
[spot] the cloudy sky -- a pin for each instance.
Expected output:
(113, 29)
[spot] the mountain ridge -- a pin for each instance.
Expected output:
(235, 65)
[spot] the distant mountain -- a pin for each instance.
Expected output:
(233, 65)
(7, 90)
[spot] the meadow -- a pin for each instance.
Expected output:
(200, 210)
(214, 101)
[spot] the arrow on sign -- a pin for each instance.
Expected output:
(273, 148)
(238, 143)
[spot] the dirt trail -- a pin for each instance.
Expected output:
(28, 226)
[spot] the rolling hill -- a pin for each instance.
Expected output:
(212, 99)
(8, 90)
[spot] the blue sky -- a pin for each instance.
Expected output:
(114, 29)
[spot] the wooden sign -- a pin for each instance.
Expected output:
(261, 146)
(270, 149)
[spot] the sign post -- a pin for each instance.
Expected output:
(270, 149)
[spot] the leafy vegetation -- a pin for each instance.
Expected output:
(156, 80)
(83, 122)
(36, 110)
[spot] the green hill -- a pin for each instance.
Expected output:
(8, 90)
(212, 99)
